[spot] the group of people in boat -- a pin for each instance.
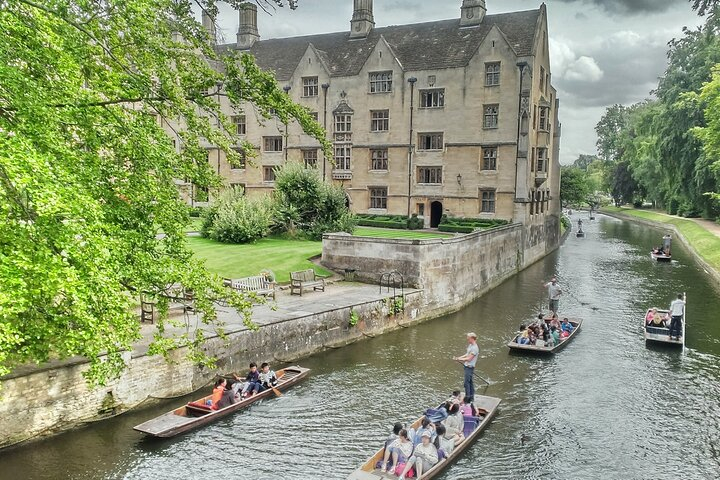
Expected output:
(227, 392)
(672, 319)
(663, 249)
(550, 332)
(409, 452)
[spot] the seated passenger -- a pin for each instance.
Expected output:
(394, 435)
(658, 320)
(567, 326)
(523, 338)
(454, 424)
(251, 379)
(424, 457)
(650, 315)
(266, 379)
(425, 426)
(444, 445)
(217, 393)
(555, 334)
(400, 450)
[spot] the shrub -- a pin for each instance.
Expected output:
(197, 212)
(566, 222)
(415, 223)
(235, 218)
(383, 224)
(455, 228)
(303, 202)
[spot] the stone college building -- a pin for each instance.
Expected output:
(454, 117)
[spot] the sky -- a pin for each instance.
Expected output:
(602, 52)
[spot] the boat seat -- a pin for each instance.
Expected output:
(471, 424)
(197, 409)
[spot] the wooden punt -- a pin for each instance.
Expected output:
(189, 416)
(660, 257)
(514, 346)
(368, 470)
(661, 334)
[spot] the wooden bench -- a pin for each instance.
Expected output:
(258, 285)
(305, 279)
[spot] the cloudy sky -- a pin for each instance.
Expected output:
(602, 51)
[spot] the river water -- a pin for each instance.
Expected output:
(606, 407)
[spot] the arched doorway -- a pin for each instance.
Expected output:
(436, 212)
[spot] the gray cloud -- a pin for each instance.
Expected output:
(630, 6)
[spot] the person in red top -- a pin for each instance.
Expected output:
(217, 393)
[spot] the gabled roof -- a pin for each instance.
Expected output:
(421, 46)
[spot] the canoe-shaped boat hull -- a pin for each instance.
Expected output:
(660, 258)
(516, 347)
(186, 417)
(368, 470)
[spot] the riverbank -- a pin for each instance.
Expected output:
(701, 237)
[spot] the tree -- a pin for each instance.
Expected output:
(610, 130)
(710, 134)
(624, 187)
(574, 186)
(87, 172)
(584, 161)
(705, 7)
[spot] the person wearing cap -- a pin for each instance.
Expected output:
(424, 457)
(469, 360)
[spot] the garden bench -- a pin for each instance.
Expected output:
(305, 279)
(258, 285)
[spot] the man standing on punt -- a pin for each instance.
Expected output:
(677, 311)
(469, 360)
(554, 293)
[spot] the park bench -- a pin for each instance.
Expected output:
(258, 285)
(305, 279)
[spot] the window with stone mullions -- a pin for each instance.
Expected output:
(490, 158)
(487, 201)
(430, 175)
(542, 162)
(378, 197)
(492, 74)
(343, 123)
(273, 144)
(342, 157)
(310, 86)
(379, 159)
(268, 174)
(432, 98)
(310, 157)
(430, 141)
(544, 120)
(379, 120)
(381, 82)
(240, 125)
(242, 163)
(491, 116)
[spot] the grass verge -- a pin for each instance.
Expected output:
(280, 255)
(704, 242)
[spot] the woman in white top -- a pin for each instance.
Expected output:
(423, 458)
(400, 449)
(454, 424)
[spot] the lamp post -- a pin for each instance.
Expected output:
(411, 81)
(325, 87)
(287, 92)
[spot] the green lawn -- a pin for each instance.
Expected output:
(276, 254)
(705, 243)
(393, 233)
(195, 224)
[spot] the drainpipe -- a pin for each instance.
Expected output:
(522, 66)
(325, 87)
(287, 92)
(412, 81)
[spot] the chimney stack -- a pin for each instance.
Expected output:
(247, 33)
(472, 12)
(363, 20)
(208, 23)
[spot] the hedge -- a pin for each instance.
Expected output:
(455, 228)
(398, 222)
(383, 224)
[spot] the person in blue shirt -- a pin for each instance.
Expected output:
(567, 326)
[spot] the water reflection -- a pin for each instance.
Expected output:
(606, 407)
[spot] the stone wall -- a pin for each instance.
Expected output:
(56, 397)
(451, 272)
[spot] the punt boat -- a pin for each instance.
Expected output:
(487, 407)
(660, 257)
(662, 334)
(195, 414)
(514, 346)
